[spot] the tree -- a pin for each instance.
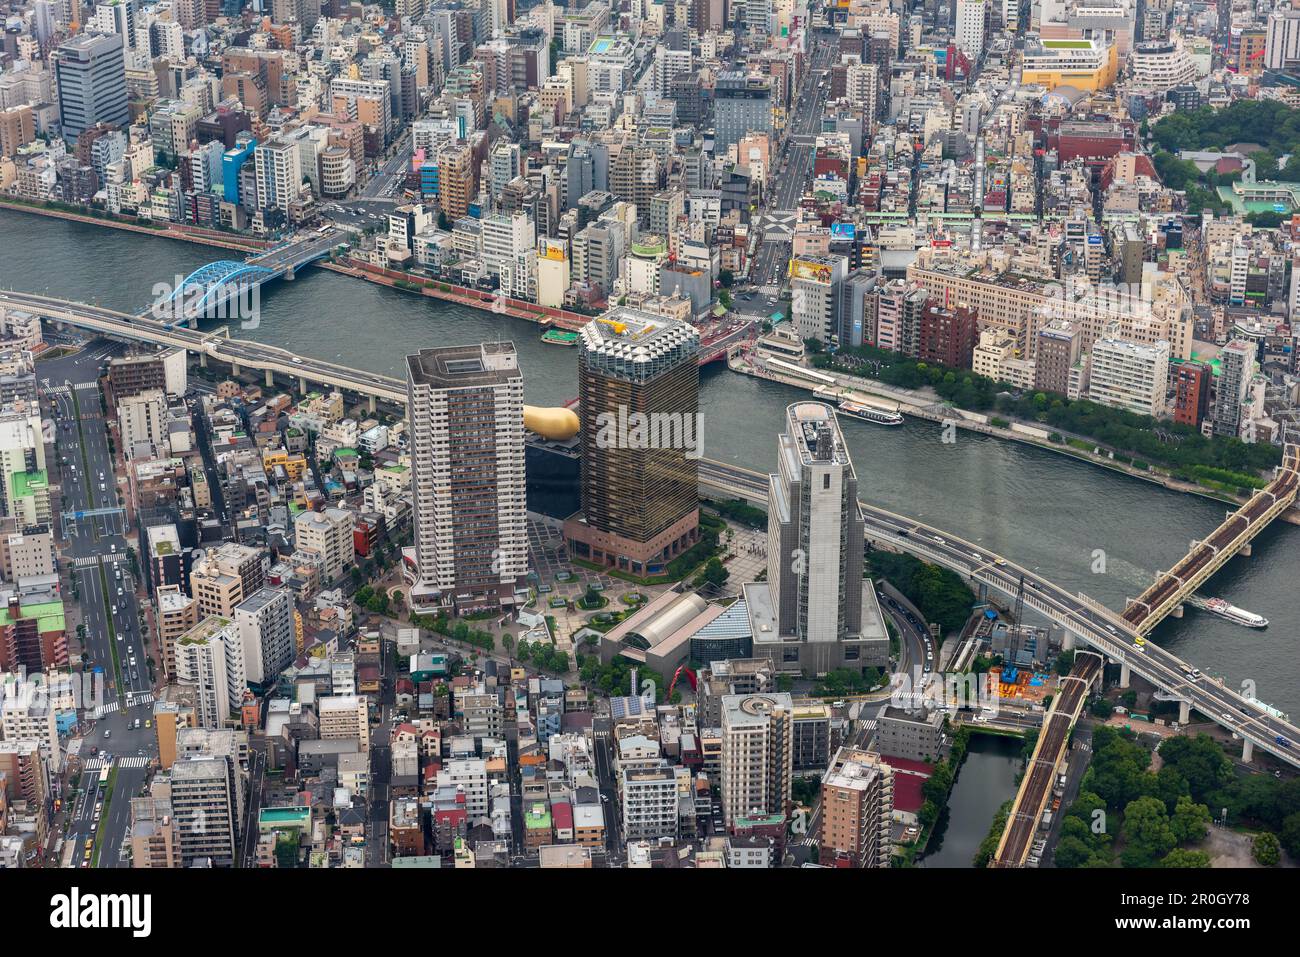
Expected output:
(1190, 821)
(1182, 857)
(1266, 849)
(1169, 786)
(1064, 662)
(1072, 852)
(1291, 834)
(1200, 760)
(1147, 833)
(714, 573)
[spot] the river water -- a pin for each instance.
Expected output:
(986, 779)
(1053, 514)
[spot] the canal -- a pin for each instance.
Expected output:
(987, 778)
(1088, 529)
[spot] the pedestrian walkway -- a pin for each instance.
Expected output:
(136, 761)
(96, 764)
(90, 561)
(104, 709)
(136, 699)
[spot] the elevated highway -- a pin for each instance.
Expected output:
(245, 354)
(1175, 586)
(240, 353)
(1085, 619)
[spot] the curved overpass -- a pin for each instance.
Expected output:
(1095, 624)
(240, 352)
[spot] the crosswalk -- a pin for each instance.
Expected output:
(137, 699)
(98, 764)
(104, 709)
(90, 561)
(777, 225)
(86, 385)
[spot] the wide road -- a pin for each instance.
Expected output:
(95, 552)
(1097, 625)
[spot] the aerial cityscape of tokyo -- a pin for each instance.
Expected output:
(741, 435)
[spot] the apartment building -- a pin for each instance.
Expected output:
(328, 535)
(345, 717)
(857, 809)
(757, 754)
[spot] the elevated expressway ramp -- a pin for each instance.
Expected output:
(1085, 619)
(1175, 586)
(1036, 787)
(240, 353)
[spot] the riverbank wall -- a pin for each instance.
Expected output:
(196, 235)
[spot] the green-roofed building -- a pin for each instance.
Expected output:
(37, 634)
(29, 497)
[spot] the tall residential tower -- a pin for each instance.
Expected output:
(466, 408)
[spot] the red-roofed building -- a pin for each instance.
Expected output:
(562, 821)
(909, 776)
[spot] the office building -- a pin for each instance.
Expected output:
(1282, 45)
(91, 73)
(916, 735)
(467, 472)
(816, 296)
(742, 106)
(176, 613)
(154, 841)
(140, 424)
(223, 577)
(947, 336)
(1058, 351)
(638, 385)
(815, 612)
(26, 554)
(757, 754)
(345, 717)
(857, 811)
(971, 16)
(1087, 65)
